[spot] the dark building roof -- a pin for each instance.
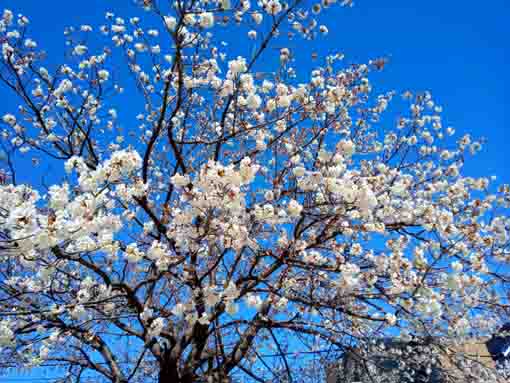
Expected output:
(492, 353)
(499, 344)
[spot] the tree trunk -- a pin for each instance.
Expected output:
(169, 373)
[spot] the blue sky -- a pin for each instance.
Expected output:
(456, 49)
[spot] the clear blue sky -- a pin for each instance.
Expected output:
(459, 50)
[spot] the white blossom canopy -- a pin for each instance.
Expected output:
(250, 221)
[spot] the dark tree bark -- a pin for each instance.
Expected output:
(169, 373)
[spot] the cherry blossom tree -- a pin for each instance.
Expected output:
(251, 220)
